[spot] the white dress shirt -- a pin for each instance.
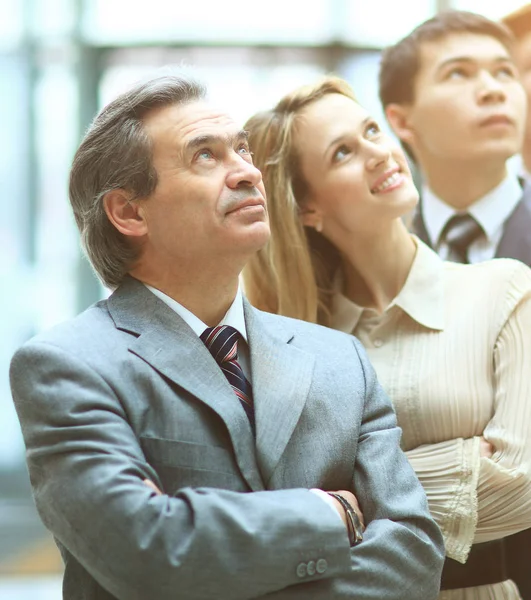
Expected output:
(235, 318)
(490, 212)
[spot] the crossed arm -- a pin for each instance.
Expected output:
(88, 472)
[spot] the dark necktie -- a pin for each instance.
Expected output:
(222, 341)
(458, 234)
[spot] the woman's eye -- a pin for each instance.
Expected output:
(373, 130)
(341, 152)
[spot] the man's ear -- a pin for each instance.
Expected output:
(398, 118)
(125, 213)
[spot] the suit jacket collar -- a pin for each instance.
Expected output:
(281, 379)
(281, 373)
(168, 344)
(516, 239)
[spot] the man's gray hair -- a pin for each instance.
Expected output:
(116, 153)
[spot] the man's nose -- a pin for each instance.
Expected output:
(243, 172)
(490, 88)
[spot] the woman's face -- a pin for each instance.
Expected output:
(358, 178)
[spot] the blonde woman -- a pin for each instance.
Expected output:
(451, 343)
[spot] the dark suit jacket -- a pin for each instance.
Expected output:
(127, 392)
(516, 238)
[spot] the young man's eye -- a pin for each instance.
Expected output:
(456, 73)
(506, 72)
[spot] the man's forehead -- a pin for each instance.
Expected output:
(466, 45)
(181, 122)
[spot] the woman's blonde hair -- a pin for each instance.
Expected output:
(293, 274)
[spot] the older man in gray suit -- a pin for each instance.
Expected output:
(182, 445)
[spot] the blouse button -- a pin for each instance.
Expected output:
(378, 343)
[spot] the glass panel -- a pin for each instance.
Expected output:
(240, 80)
(494, 9)
(57, 239)
(120, 21)
(379, 23)
(11, 23)
(52, 18)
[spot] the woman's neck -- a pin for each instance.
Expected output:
(376, 265)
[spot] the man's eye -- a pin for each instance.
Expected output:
(243, 149)
(506, 72)
(205, 154)
(456, 73)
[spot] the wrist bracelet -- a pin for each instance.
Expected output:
(354, 527)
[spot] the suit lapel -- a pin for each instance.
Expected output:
(516, 239)
(281, 379)
(169, 345)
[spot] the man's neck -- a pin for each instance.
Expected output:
(461, 185)
(207, 295)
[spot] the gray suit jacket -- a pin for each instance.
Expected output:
(126, 391)
(516, 238)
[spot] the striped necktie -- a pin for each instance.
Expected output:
(458, 234)
(222, 341)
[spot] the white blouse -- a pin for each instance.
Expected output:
(453, 351)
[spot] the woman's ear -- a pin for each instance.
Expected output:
(311, 217)
(125, 213)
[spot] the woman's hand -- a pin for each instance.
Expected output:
(486, 449)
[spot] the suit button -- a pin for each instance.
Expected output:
(310, 567)
(321, 566)
(302, 571)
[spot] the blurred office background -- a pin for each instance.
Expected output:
(61, 60)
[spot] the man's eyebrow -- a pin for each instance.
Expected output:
(470, 60)
(211, 139)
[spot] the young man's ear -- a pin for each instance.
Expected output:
(398, 118)
(124, 213)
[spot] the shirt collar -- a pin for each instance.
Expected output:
(490, 211)
(234, 316)
(422, 296)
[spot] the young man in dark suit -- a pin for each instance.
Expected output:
(451, 93)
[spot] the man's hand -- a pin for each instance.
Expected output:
(486, 449)
(352, 500)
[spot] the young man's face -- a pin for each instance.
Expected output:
(523, 60)
(468, 103)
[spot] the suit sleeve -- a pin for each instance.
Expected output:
(402, 553)
(87, 471)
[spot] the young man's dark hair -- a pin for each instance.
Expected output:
(400, 63)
